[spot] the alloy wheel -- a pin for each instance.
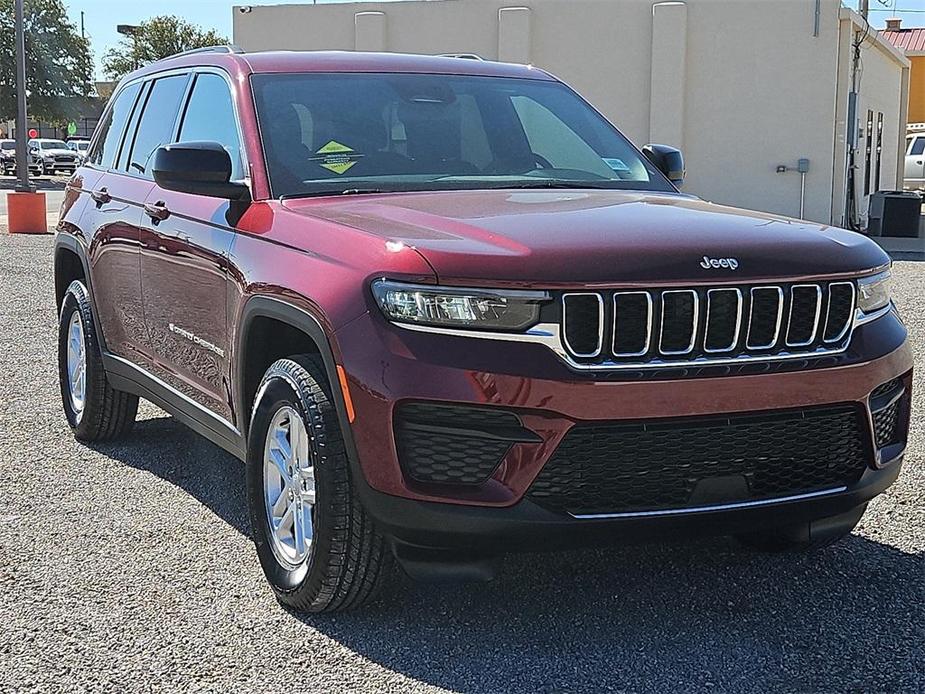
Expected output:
(289, 487)
(76, 364)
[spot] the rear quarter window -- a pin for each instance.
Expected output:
(112, 127)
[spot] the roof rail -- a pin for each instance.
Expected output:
(464, 56)
(207, 49)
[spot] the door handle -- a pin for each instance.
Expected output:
(101, 197)
(157, 211)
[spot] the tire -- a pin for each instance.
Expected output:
(804, 537)
(346, 560)
(96, 411)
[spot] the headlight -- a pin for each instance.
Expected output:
(874, 292)
(453, 307)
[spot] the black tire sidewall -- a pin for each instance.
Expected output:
(76, 301)
(280, 391)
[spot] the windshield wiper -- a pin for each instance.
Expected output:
(574, 185)
(361, 191)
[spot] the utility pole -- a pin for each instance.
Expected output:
(864, 9)
(22, 126)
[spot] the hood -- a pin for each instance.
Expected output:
(565, 237)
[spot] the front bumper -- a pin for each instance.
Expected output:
(388, 366)
(527, 526)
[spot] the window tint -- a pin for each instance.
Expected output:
(112, 127)
(210, 116)
(325, 133)
(918, 146)
(155, 128)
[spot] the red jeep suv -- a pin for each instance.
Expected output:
(444, 310)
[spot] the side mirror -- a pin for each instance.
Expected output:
(198, 168)
(668, 160)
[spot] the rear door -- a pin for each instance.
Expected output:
(186, 245)
(111, 220)
(914, 173)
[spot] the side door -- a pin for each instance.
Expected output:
(185, 261)
(914, 172)
(111, 223)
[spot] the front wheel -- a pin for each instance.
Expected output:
(317, 545)
(804, 537)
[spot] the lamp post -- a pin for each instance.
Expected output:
(131, 30)
(22, 154)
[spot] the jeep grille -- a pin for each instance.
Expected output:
(681, 325)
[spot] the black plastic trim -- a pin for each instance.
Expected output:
(126, 376)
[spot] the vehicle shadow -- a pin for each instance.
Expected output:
(164, 447)
(689, 617)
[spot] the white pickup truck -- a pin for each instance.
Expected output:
(914, 170)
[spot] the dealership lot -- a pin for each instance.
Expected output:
(129, 565)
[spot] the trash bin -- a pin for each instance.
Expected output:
(894, 213)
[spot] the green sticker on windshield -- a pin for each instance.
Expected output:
(336, 157)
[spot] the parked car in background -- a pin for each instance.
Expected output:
(79, 147)
(8, 159)
(54, 156)
(914, 171)
(444, 311)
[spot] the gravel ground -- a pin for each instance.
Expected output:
(128, 566)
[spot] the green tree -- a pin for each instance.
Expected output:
(154, 39)
(58, 63)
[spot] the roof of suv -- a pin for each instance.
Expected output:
(343, 61)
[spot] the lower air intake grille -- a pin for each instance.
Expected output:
(886, 424)
(889, 403)
(683, 463)
(448, 444)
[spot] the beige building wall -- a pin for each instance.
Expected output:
(742, 86)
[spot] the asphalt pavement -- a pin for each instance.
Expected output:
(128, 566)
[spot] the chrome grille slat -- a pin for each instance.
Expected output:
(751, 316)
(695, 310)
(815, 322)
(648, 323)
(738, 321)
(600, 324)
(680, 326)
(849, 317)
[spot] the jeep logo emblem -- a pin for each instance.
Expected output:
(728, 263)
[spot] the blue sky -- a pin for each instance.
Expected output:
(101, 16)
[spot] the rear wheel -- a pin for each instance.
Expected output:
(318, 547)
(95, 410)
(804, 537)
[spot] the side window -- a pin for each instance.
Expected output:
(112, 127)
(155, 128)
(918, 147)
(210, 116)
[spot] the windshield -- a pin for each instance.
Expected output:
(325, 133)
(52, 144)
(83, 146)
(9, 144)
